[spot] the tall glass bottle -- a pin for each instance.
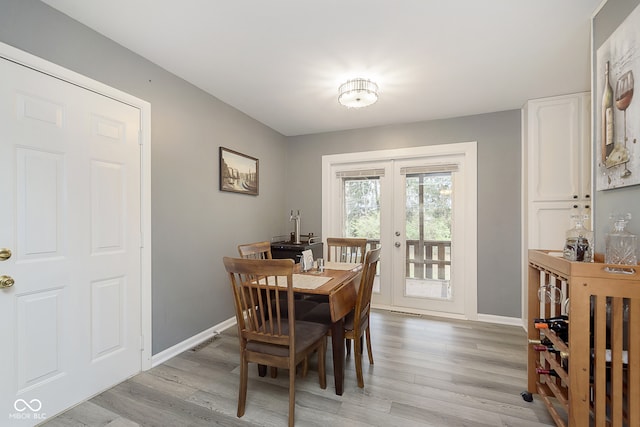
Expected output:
(620, 245)
(607, 116)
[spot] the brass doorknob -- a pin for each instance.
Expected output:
(5, 254)
(6, 281)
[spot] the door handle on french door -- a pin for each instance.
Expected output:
(6, 282)
(5, 254)
(398, 244)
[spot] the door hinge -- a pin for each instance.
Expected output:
(141, 342)
(142, 240)
(139, 137)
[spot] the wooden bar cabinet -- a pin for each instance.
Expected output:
(594, 378)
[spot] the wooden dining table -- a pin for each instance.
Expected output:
(341, 290)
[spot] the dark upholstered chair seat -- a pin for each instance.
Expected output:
(321, 313)
(307, 334)
(303, 306)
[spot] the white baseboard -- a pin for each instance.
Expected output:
(488, 318)
(501, 320)
(418, 312)
(189, 343)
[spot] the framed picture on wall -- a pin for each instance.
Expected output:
(617, 111)
(238, 172)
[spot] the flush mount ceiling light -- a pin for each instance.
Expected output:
(357, 93)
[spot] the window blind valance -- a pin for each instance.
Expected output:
(361, 173)
(435, 168)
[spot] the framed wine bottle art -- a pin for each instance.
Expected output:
(617, 117)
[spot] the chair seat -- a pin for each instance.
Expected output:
(302, 307)
(307, 333)
(321, 313)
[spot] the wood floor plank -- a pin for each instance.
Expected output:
(428, 372)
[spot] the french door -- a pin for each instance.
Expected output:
(420, 205)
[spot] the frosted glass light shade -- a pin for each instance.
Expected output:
(357, 93)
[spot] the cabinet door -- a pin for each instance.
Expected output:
(558, 148)
(549, 222)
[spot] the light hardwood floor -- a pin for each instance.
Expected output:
(428, 372)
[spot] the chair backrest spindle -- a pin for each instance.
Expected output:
(346, 249)
(256, 250)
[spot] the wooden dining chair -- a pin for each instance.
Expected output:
(346, 249)
(356, 324)
(342, 249)
(262, 250)
(266, 337)
(256, 250)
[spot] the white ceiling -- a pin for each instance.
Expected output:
(281, 61)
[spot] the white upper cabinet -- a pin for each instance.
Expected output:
(558, 148)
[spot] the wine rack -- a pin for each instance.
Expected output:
(597, 372)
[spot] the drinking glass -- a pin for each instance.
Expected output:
(624, 93)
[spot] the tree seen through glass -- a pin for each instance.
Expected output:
(362, 208)
(436, 206)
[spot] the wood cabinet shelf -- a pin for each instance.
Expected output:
(601, 386)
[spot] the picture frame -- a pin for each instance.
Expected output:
(616, 112)
(239, 173)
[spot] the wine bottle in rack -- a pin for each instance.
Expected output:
(560, 327)
(551, 349)
(549, 372)
(544, 341)
(552, 319)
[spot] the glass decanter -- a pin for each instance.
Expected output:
(620, 245)
(579, 243)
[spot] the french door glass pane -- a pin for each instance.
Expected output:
(362, 212)
(428, 235)
(362, 207)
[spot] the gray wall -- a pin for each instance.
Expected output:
(625, 199)
(193, 224)
(499, 147)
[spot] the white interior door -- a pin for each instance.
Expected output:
(71, 217)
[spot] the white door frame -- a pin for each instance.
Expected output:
(468, 149)
(26, 59)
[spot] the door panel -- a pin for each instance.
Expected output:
(40, 199)
(429, 212)
(70, 182)
(38, 326)
(428, 220)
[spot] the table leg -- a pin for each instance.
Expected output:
(337, 343)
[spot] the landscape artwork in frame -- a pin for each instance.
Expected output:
(238, 172)
(617, 111)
